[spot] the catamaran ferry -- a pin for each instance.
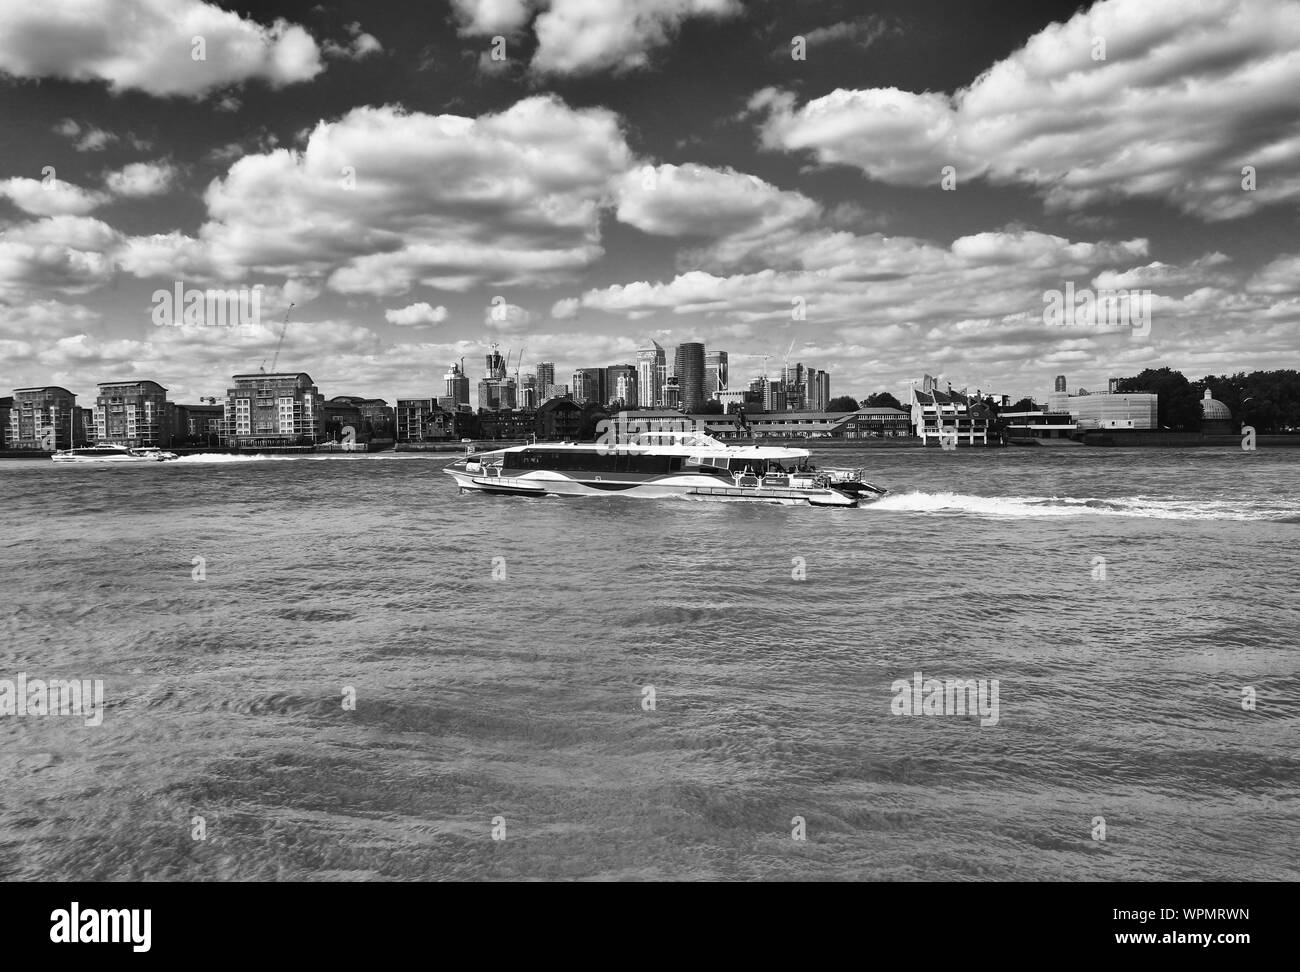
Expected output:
(108, 452)
(663, 464)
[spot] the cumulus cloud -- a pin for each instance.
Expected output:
(1185, 98)
(361, 45)
(565, 308)
(50, 198)
(483, 17)
(695, 200)
(503, 316)
(862, 32)
(382, 200)
(142, 179)
(85, 138)
(147, 45)
(876, 280)
(1281, 276)
(585, 36)
(45, 317)
(416, 315)
(63, 254)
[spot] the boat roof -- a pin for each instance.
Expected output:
(665, 444)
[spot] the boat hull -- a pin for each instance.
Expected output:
(705, 488)
(87, 460)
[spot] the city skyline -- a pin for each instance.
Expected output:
(763, 196)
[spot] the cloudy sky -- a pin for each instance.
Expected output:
(612, 171)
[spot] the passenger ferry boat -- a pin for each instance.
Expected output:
(108, 452)
(663, 464)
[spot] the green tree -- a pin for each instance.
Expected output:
(882, 400)
(1270, 400)
(712, 407)
(1178, 407)
(844, 403)
(1024, 405)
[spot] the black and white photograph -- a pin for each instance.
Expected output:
(650, 441)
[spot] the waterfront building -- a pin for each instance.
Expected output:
(558, 420)
(651, 368)
(1111, 409)
(715, 374)
(936, 413)
(45, 419)
(862, 424)
(131, 413)
(1039, 424)
(621, 385)
(424, 420)
(689, 371)
(505, 424)
(6, 407)
(269, 410)
(342, 415)
(197, 424)
(376, 416)
(85, 424)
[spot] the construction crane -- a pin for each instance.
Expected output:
(764, 357)
(786, 369)
(275, 360)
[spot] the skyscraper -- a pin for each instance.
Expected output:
(457, 387)
(545, 379)
(689, 371)
(621, 385)
(715, 373)
(496, 393)
(817, 394)
(650, 367)
(586, 385)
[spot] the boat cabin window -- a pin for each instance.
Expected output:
(593, 462)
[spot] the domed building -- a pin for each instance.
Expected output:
(1216, 418)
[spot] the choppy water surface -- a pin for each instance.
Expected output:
(522, 697)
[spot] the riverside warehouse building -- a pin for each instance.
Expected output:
(865, 423)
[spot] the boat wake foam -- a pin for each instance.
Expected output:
(1040, 506)
(206, 457)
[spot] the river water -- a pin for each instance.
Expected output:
(655, 689)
